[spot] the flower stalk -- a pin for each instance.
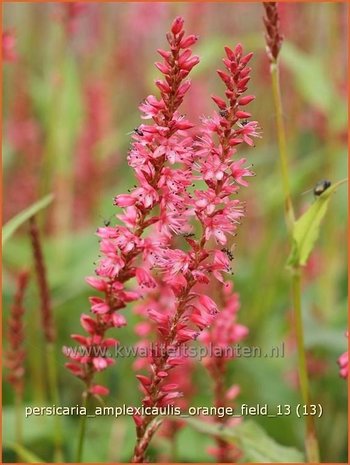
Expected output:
(274, 42)
(311, 443)
(48, 328)
(82, 429)
(282, 144)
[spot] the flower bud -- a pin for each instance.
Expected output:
(177, 25)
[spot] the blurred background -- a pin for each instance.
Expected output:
(73, 78)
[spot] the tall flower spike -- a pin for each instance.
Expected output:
(45, 300)
(15, 355)
(273, 35)
(190, 312)
(125, 253)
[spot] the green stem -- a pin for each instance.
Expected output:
(282, 143)
(19, 415)
(53, 386)
(311, 444)
(82, 430)
(173, 447)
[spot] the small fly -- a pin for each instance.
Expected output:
(228, 252)
(107, 221)
(243, 123)
(137, 131)
(321, 186)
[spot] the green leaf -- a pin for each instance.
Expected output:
(307, 228)
(26, 455)
(14, 223)
(256, 445)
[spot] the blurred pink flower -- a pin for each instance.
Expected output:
(343, 361)
(9, 46)
(71, 13)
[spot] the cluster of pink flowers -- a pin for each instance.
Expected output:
(168, 159)
(125, 253)
(190, 312)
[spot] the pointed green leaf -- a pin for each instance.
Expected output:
(14, 223)
(256, 445)
(307, 228)
(259, 447)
